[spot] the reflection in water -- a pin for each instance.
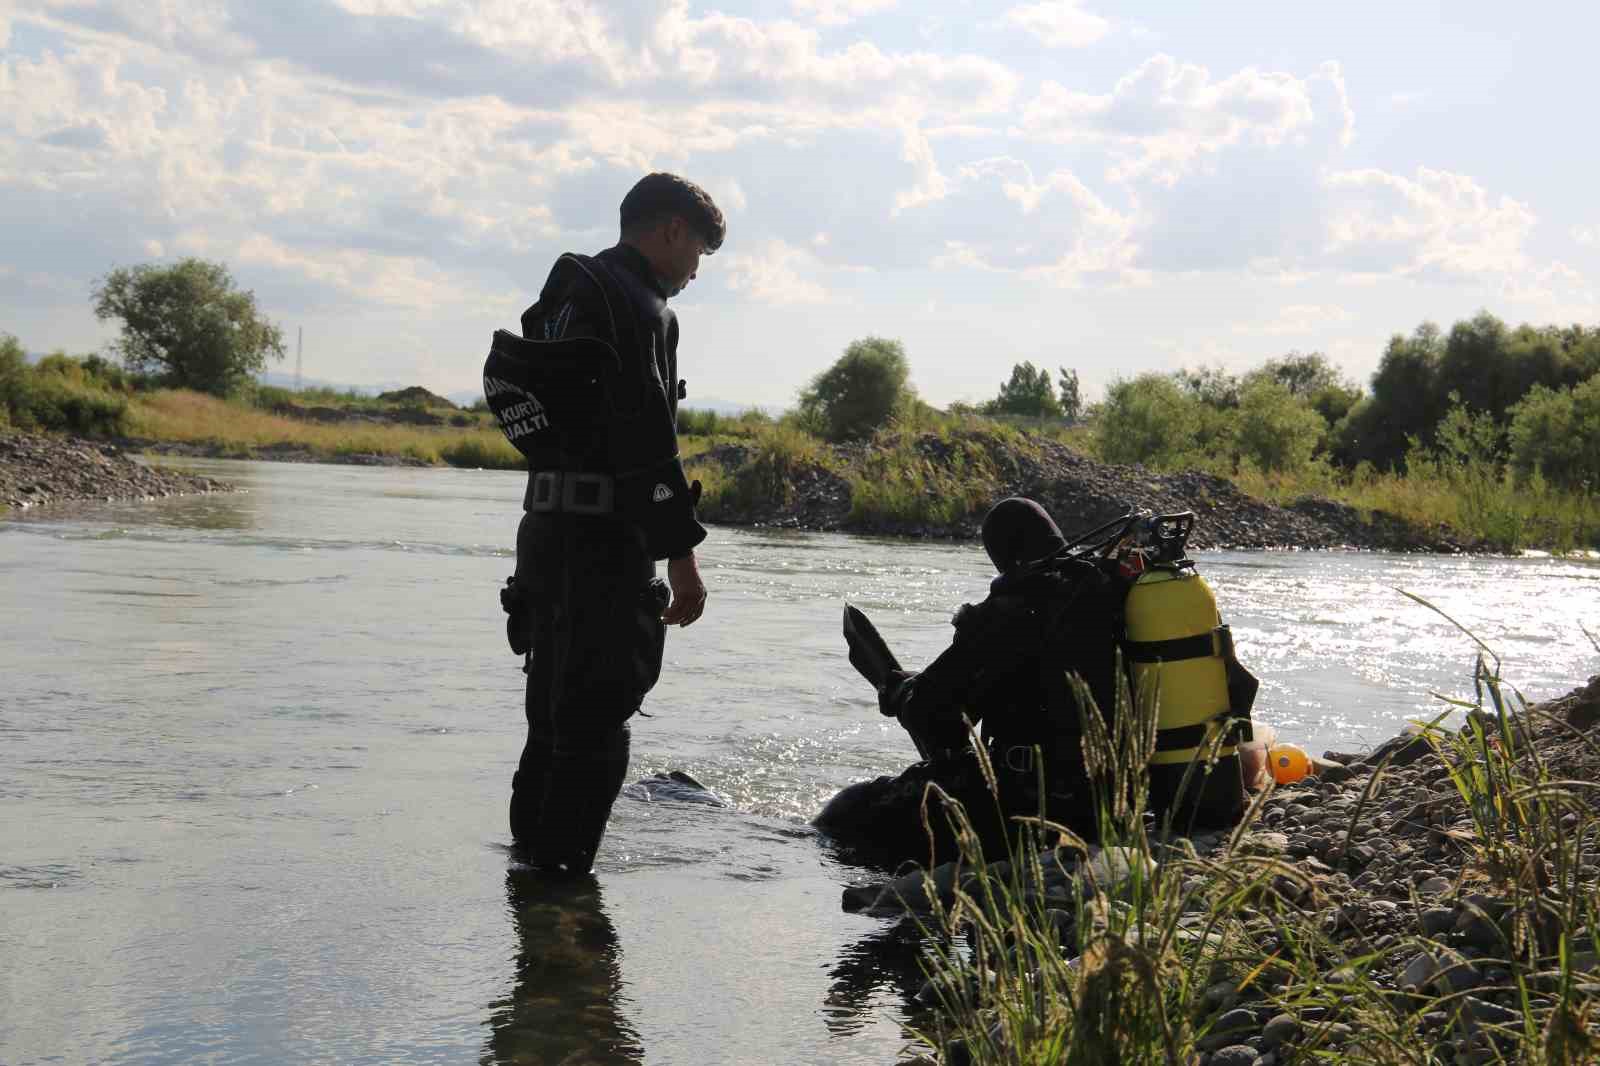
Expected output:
(888, 961)
(563, 1003)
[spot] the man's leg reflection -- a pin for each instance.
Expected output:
(563, 1003)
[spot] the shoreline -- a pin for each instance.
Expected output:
(38, 470)
(43, 469)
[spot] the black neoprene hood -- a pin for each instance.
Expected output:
(1017, 530)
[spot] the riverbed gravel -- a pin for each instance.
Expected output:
(38, 470)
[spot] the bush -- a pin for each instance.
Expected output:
(1275, 430)
(1556, 433)
(14, 376)
(1147, 419)
(859, 394)
(61, 393)
(57, 402)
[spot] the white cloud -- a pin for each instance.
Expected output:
(1058, 23)
(776, 273)
(1297, 320)
(1588, 236)
(1068, 235)
(931, 183)
(1436, 223)
(1161, 119)
(841, 12)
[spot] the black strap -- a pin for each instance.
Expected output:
(1201, 646)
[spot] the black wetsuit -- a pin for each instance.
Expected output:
(585, 584)
(1007, 670)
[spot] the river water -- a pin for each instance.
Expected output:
(255, 751)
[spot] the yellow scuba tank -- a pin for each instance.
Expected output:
(1175, 642)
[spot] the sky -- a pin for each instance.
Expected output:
(1114, 188)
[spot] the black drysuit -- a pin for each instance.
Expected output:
(1007, 670)
(586, 599)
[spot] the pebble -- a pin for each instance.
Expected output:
(1437, 920)
(1281, 1029)
(1235, 1055)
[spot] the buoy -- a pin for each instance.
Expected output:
(1288, 762)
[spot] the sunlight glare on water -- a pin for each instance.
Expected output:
(257, 749)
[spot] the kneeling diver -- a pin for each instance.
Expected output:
(1056, 609)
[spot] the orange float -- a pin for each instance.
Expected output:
(1288, 762)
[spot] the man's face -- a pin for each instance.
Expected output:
(684, 248)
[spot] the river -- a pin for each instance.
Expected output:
(255, 751)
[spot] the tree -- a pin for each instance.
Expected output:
(860, 391)
(1029, 392)
(1148, 419)
(1406, 401)
(1071, 396)
(1310, 376)
(187, 324)
(1211, 385)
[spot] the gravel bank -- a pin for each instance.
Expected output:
(1378, 851)
(36, 470)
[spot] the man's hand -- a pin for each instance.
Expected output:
(688, 592)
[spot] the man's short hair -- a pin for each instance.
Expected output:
(657, 197)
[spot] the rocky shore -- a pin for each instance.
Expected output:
(1413, 909)
(1081, 493)
(36, 470)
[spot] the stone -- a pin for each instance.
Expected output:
(1281, 1029)
(1436, 921)
(1338, 1034)
(1434, 886)
(1360, 854)
(1404, 749)
(1265, 843)
(1337, 773)
(1233, 1026)
(1478, 931)
(1486, 1013)
(1234, 1055)
(1417, 974)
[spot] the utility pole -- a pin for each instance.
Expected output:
(299, 356)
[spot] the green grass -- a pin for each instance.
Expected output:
(240, 429)
(1138, 964)
(1489, 506)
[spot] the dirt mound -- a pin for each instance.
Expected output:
(415, 396)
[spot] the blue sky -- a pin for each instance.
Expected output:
(1111, 188)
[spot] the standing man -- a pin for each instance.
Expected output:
(589, 393)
